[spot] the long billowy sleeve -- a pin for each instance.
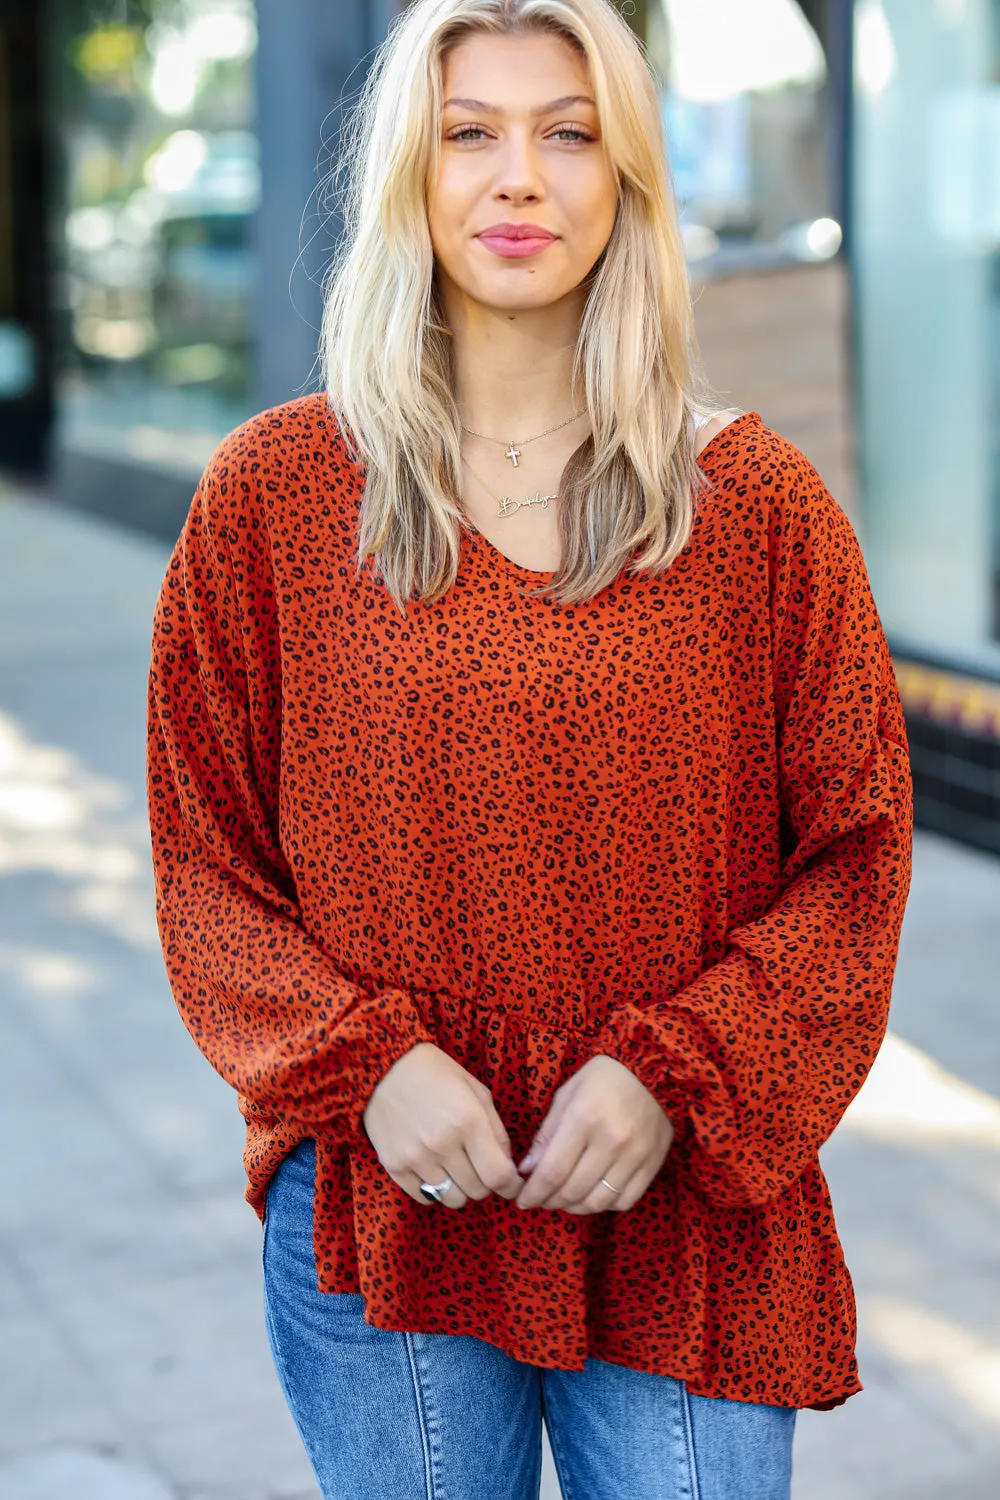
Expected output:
(757, 1058)
(303, 1045)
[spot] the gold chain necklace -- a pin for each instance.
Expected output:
(514, 448)
(507, 505)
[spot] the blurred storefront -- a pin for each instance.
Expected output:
(165, 222)
(177, 236)
(25, 323)
(926, 275)
(754, 102)
(151, 233)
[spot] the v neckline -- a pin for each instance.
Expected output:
(490, 549)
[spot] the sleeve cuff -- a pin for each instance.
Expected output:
(383, 1029)
(631, 1040)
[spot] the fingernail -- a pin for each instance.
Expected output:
(527, 1163)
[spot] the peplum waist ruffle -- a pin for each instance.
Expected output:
(667, 1286)
(544, 1285)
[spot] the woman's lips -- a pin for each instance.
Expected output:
(510, 249)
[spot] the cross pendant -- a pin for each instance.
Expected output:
(513, 454)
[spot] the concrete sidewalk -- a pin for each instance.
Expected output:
(134, 1364)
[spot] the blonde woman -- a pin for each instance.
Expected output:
(531, 816)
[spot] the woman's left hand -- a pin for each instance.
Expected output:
(603, 1123)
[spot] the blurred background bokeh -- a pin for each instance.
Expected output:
(164, 228)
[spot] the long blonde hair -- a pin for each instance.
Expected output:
(385, 348)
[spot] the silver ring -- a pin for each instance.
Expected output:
(434, 1192)
(606, 1183)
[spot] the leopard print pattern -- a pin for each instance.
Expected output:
(671, 824)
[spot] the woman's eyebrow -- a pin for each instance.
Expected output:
(541, 109)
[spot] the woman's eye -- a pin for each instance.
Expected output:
(469, 131)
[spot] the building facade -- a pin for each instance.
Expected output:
(926, 274)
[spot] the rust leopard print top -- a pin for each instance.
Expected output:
(672, 825)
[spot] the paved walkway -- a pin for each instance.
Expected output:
(133, 1363)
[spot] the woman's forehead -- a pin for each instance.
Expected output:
(525, 59)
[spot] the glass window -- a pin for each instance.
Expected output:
(927, 270)
(746, 110)
(154, 229)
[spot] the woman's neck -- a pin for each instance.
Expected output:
(512, 370)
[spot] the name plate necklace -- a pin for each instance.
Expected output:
(508, 506)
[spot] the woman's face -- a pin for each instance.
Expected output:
(518, 149)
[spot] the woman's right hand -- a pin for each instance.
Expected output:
(429, 1119)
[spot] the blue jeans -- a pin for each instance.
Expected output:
(437, 1416)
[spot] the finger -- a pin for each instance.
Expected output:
(463, 1172)
(555, 1164)
(603, 1199)
(467, 1178)
(584, 1181)
(491, 1162)
(458, 1165)
(632, 1190)
(547, 1129)
(497, 1130)
(453, 1198)
(496, 1125)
